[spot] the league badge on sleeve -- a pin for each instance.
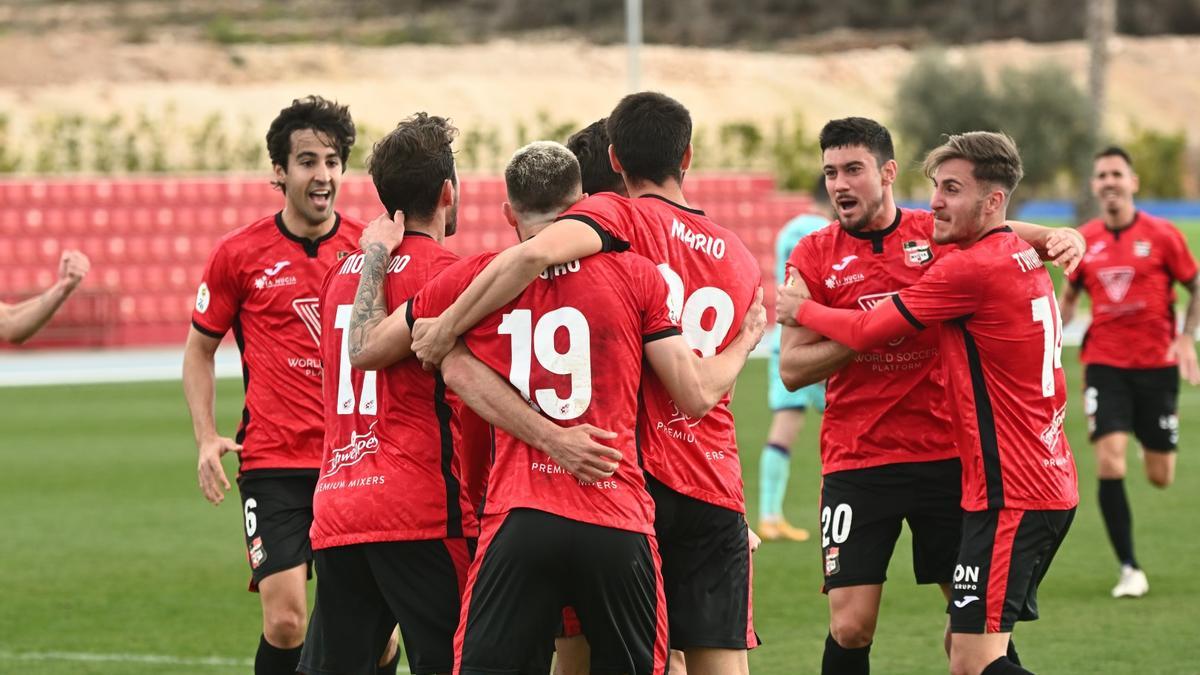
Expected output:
(917, 252)
(202, 298)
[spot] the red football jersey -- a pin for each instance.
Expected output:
(888, 405)
(263, 282)
(712, 278)
(571, 343)
(1001, 347)
(1131, 275)
(391, 467)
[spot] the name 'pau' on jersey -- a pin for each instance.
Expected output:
(391, 468)
(888, 405)
(712, 278)
(263, 282)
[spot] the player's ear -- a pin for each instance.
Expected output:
(889, 171)
(280, 174)
(509, 216)
(687, 159)
(612, 159)
(1136, 183)
(446, 198)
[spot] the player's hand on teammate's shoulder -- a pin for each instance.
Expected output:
(73, 266)
(213, 481)
(1183, 348)
(386, 230)
(577, 450)
(431, 341)
(788, 298)
(1065, 246)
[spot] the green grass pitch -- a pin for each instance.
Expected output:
(108, 548)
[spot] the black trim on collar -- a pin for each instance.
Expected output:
(876, 236)
(1116, 231)
(414, 233)
(681, 207)
(310, 246)
(995, 230)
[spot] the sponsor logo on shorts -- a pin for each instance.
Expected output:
(832, 564)
(258, 554)
(966, 578)
(968, 599)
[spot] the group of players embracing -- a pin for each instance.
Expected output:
(496, 451)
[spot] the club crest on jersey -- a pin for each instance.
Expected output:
(307, 310)
(202, 298)
(352, 453)
(1116, 281)
(917, 252)
(342, 254)
(832, 564)
(1141, 248)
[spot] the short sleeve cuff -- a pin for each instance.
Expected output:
(207, 331)
(608, 243)
(408, 313)
(658, 335)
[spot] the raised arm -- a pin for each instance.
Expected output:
(497, 402)
(696, 384)
(501, 281)
(199, 388)
(860, 331)
(377, 339)
(1063, 246)
(20, 321)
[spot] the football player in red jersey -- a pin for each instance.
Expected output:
(20, 321)
(692, 463)
(877, 472)
(262, 281)
(1000, 344)
(550, 344)
(1133, 357)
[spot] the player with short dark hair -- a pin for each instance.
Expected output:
(1000, 343)
(262, 281)
(550, 539)
(1133, 357)
(877, 473)
(590, 147)
(692, 463)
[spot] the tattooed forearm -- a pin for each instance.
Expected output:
(369, 308)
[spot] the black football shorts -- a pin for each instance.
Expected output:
(706, 571)
(862, 511)
(1144, 401)
(1005, 554)
(364, 590)
(276, 516)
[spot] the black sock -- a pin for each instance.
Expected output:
(841, 661)
(1002, 666)
(390, 669)
(1012, 652)
(271, 660)
(1118, 519)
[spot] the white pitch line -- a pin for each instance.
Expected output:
(154, 659)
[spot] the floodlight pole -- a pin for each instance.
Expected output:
(633, 40)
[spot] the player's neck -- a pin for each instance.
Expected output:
(299, 227)
(885, 217)
(434, 227)
(1121, 218)
(984, 228)
(671, 190)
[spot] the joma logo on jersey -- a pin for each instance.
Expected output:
(272, 271)
(698, 241)
(307, 309)
(352, 453)
(845, 262)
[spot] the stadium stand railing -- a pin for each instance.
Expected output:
(148, 239)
